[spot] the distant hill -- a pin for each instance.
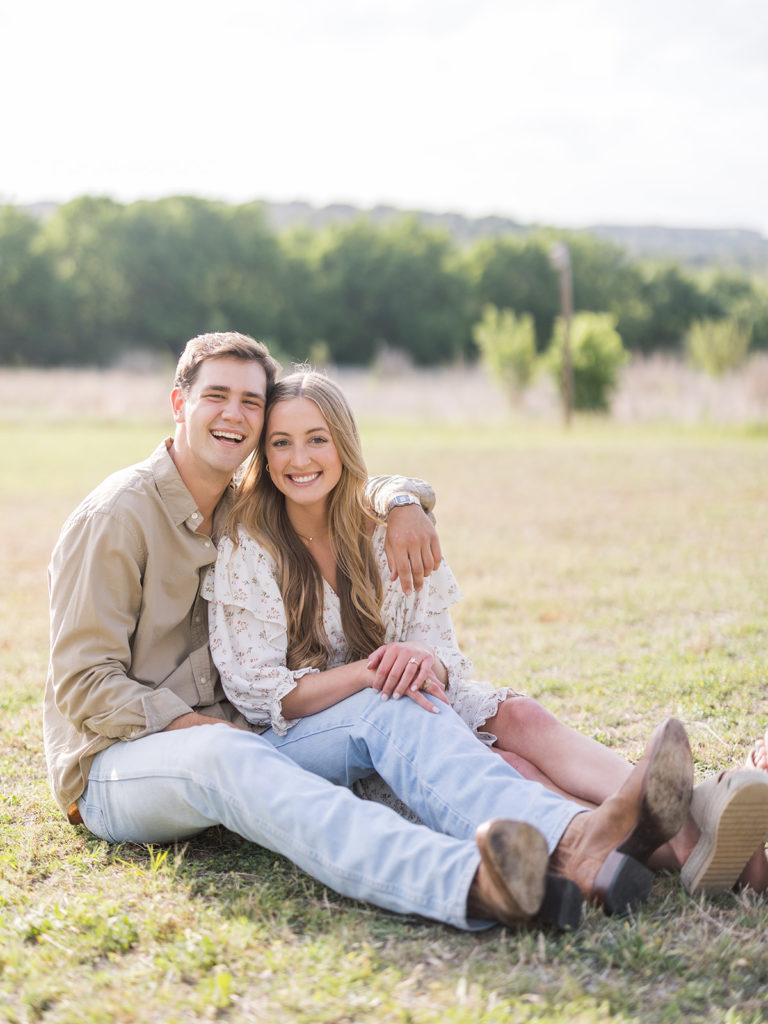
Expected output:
(734, 247)
(694, 247)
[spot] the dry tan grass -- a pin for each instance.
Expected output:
(659, 388)
(615, 572)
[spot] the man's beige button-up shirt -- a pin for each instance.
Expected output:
(129, 630)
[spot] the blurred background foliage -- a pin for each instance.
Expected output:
(95, 282)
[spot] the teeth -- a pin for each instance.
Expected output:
(228, 435)
(305, 479)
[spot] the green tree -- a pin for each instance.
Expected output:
(597, 355)
(398, 286)
(507, 344)
(517, 274)
(84, 243)
(718, 346)
(27, 291)
(660, 316)
(737, 297)
(172, 257)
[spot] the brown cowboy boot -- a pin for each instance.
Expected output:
(664, 776)
(598, 849)
(511, 884)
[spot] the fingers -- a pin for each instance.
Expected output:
(417, 572)
(382, 661)
(421, 700)
(401, 675)
(414, 566)
(412, 547)
(373, 663)
(432, 687)
(404, 571)
(436, 551)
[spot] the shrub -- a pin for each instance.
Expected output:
(717, 346)
(507, 345)
(597, 355)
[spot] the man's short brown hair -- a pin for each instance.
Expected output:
(220, 345)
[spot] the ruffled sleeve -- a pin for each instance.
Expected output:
(248, 632)
(423, 616)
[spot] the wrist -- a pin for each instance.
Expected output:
(402, 500)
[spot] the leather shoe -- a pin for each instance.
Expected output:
(601, 850)
(510, 882)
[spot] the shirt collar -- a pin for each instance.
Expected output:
(175, 495)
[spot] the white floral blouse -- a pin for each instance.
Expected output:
(249, 639)
(249, 633)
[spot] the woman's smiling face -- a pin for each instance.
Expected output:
(304, 463)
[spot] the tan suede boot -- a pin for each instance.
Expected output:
(663, 778)
(599, 849)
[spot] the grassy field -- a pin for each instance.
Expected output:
(616, 573)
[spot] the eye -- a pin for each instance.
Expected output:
(280, 442)
(319, 440)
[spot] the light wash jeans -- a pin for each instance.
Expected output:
(171, 785)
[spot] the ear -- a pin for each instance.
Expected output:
(177, 404)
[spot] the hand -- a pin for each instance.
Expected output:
(192, 718)
(412, 546)
(407, 669)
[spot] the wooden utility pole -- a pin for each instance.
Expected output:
(560, 257)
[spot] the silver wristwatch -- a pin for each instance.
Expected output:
(402, 499)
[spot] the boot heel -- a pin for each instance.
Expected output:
(622, 883)
(562, 903)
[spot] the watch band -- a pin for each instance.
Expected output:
(400, 500)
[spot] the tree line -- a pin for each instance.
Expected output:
(98, 278)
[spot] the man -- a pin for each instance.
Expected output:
(142, 745)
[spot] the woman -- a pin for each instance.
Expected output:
(303, 544)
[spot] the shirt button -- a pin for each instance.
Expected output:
(207, 543)
(195, 515)
(203, 679)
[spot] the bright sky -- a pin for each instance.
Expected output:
(567, 112)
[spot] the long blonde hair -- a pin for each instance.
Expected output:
(260, 509)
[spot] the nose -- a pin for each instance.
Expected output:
(232, 410)
(301, 455)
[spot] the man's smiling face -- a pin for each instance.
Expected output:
(219, 420)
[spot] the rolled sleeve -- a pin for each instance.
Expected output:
(380, 490)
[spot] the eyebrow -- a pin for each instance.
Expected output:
(226, 387)
(312, 430)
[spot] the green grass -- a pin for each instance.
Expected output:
(617, 574)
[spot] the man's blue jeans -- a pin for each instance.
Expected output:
(171, 785)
